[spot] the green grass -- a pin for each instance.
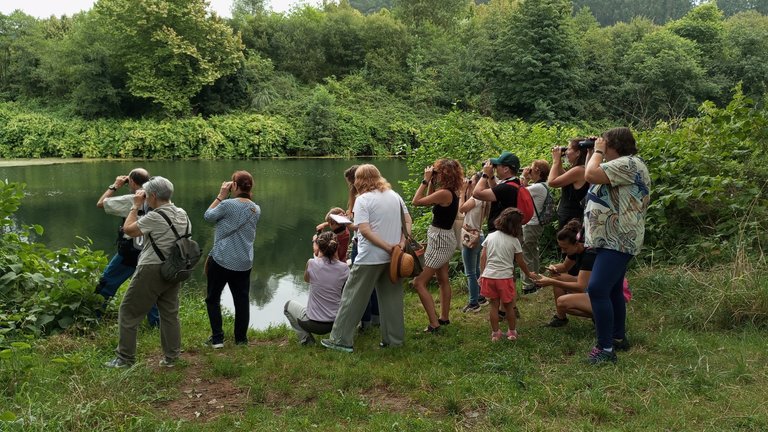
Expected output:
(698, 362)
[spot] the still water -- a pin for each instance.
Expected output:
(294, 196)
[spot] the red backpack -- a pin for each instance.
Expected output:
(524, 201)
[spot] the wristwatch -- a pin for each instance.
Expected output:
(112, 187)
(485, 176)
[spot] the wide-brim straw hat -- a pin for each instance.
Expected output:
(401, 265)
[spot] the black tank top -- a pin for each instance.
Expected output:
(570, 200)
(443, 217)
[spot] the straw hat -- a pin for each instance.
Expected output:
(401, 265)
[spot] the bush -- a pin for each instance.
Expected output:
(42, 291)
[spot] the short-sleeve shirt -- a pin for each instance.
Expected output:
(381, 210)
(500, 250)
(538, 193)
(154, 224)
(118, 205)
(326, 281)
(506, 196)
(582, 262)
(615, 214)
(235, 233)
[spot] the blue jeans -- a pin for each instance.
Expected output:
(114, 275)
(606, 295)
(471, 258)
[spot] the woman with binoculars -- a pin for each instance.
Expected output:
(574, 186)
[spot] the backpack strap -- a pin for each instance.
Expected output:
(173, 228)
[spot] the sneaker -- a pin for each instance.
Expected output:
(334, 346)
(214, 345)
(557, 321)
(530, 289)
(621, 344)
(496, 336)
(511, 335)
(117, 363)
(471, 308)
(600, 356)
(308, 340)
(482, 301)
(166, 362)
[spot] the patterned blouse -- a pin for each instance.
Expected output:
(615, 214)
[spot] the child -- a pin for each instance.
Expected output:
(501, 250)
(340, 229)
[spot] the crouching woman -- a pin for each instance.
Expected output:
(326, 276)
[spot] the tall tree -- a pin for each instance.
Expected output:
(536, 67)
(746, 39)
(170, 48)
(443, 13)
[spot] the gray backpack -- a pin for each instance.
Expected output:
(183, 256)
(547, 213)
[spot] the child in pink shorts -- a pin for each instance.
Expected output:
(501, 250)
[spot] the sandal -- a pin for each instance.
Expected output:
(496, 335)
(431, 329)
(511, 335)
(444, 322)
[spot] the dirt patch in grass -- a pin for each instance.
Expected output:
(386, 400)
(203, 398)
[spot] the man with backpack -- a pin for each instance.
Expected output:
(123, 263)
(150, 284)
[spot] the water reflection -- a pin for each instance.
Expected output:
(294, 196)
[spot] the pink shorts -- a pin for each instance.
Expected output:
(503, 289)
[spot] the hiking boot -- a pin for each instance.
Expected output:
(621, 344)
(556, 321)
(471, 308)
(118, 363)
(482, 301)
(511, 335)
(334, 346)
(599, 356)
(496, 335)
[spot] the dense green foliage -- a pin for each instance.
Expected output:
(42, 291)
(534, 59)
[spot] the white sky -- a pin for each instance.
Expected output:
(46, 8)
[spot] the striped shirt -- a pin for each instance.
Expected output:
(235, 232)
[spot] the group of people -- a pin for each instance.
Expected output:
(150, 221)
(605, 194)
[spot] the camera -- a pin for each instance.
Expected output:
(587, 143)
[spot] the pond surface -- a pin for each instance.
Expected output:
(294, 196)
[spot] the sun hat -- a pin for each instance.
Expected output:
(401, 265)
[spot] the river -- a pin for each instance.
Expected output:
(294, 195)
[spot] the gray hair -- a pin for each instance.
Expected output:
(160, 186)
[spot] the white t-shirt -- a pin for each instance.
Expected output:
(474, 217)
(500, 250)
(118, 205)
(539, 195)
(161, 232)
(381, 210)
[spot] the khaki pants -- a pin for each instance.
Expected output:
(147, 288)
(531, 235)
(362, 280)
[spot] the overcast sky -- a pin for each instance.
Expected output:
(46, 8)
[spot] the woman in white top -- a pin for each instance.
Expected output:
(475, 212)
(535, 180)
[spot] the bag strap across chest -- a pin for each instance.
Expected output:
(175, 233)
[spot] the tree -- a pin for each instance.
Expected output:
(732, 7)
(665, 78)
(247, 7)
(170, 48)
(536, 66)
(746, 40)
(443, 13)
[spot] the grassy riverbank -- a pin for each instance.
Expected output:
(698, 363)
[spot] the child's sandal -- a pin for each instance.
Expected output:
(496, 336)
(511, 335)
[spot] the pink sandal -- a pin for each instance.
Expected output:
(511, 335)
(496, 335)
